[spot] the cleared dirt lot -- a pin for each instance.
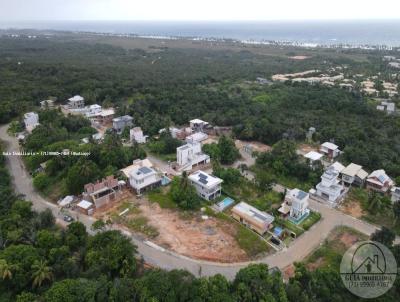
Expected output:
(208, 239)
(187, 234)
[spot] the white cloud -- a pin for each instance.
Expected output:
(197, 10)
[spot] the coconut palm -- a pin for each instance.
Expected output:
(5, 270)
(41, 273)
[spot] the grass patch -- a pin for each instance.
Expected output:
(164, 199)
(140, 224)
(250, 242)
(330, 254)
(312, 219)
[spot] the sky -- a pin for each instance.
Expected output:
(197, 10)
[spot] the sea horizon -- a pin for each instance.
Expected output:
(318, 32)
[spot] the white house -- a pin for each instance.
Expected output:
(190, 155)
(379, 181)
(207, 186)
(47, 104)
(198, 125)
(197, 137)
(330, 150)
(354, 174)
(142, 178)
(76, 102)
(313, 157)
(121, 122)
(136, 164)
(93, 110)
(395, 192)
(330, 188)
(31, 121)
(136, 135)
(295, 204)
(298, 201)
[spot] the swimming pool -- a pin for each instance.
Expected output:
(222, 205)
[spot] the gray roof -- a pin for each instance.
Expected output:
(301, 194)
(145, 170)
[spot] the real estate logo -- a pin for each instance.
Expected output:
(368, 269)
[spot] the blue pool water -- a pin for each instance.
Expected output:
(222, 205)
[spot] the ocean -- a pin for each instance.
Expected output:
(375, 32)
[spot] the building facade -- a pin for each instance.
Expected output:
(207, 186)
(252, 218)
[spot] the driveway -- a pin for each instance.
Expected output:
(165, 259)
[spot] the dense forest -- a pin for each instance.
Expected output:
(159, 87)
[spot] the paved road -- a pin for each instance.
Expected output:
(297, 251)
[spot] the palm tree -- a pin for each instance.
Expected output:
(41, 273)
(5, 270)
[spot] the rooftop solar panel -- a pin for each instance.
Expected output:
(203, 181)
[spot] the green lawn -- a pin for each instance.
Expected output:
(162, 198)
(312, 219)
(250, 242)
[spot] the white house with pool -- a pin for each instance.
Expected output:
(207, 186)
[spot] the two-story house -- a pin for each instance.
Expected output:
(330, 150)
(103, 193)
(330, 188)
(354, 175)
(207, 186)
(76, 102)
(121, 122)
(142, 178)
(190, 155)
(136, 135)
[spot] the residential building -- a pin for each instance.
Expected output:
(76, 102)
(330, 150)
(330, 189)
(298, 202)
(136, 135)
(93, 111)
(197, 137)
(313, 157)
(85, 207)
(103, 193)
(47, 104)
(106, 116)
(207, 186)
(137, 163)
(31, 121)
(121, 122)
(395, 194)
(142, 178)
(389, 107)
(253, 218)
(337, 166)
(354, 175)
(198, 125)
(190, 155)
(379, 181)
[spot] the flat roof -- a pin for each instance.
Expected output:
(205, 179)
(313, 155)
(256, 214)
(136, 165)
(329, 145)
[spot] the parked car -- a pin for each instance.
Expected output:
(68, 218)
